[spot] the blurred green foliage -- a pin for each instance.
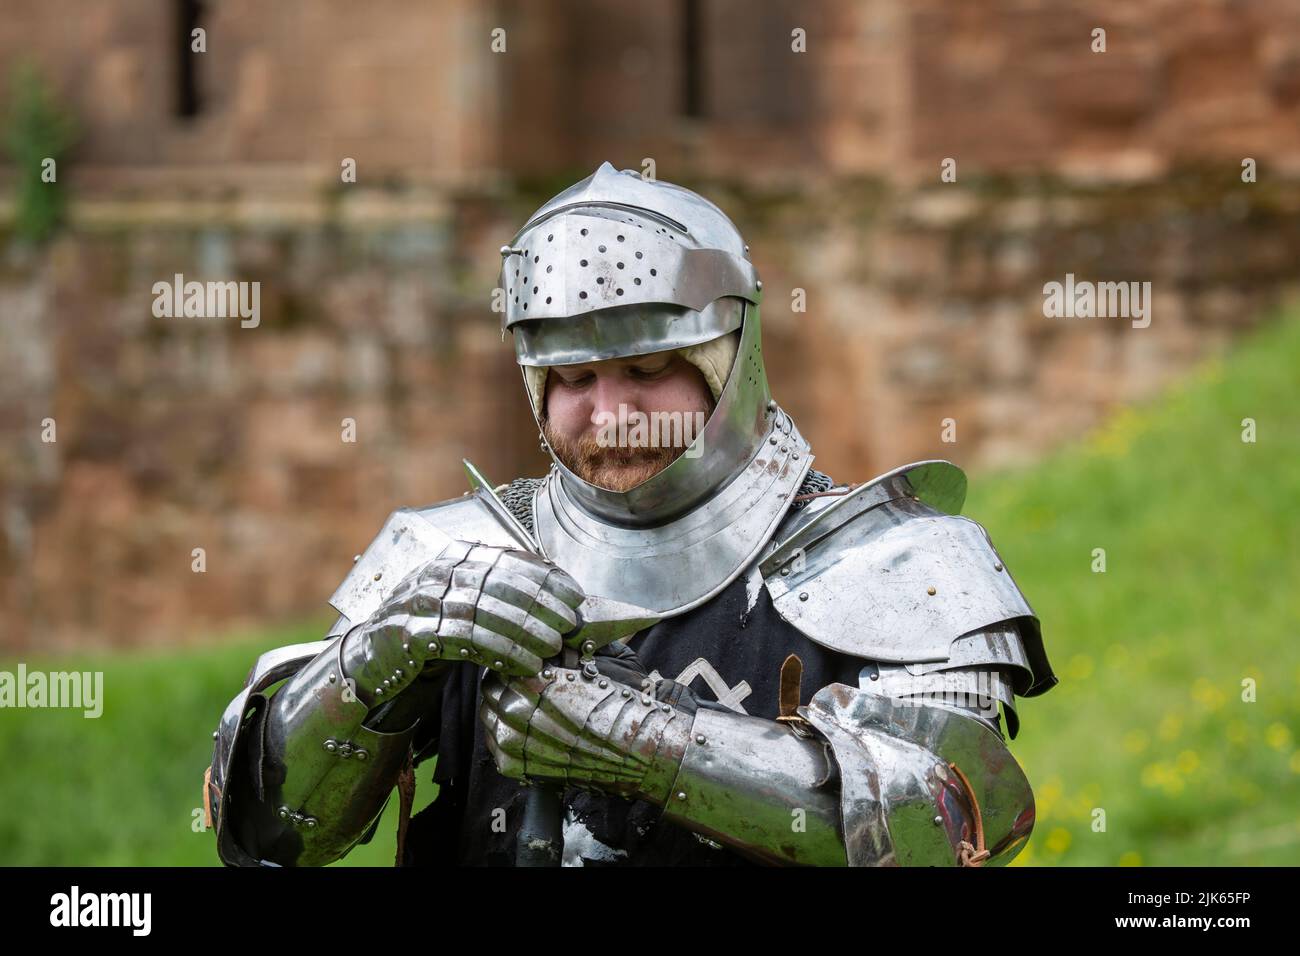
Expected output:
(1148, 725)
(38, 133)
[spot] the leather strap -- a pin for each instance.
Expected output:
(788, 696)
(406, 800)
(971, 855)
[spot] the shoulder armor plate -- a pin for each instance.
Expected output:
(885, 574)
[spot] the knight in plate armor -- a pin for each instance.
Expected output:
(683, 645)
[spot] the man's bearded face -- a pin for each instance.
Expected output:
(590, 418)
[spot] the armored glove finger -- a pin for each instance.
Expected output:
(589, 732)
(496, 607)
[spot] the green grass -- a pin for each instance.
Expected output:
(121, 789)
(1202, 551)
(1201, 533)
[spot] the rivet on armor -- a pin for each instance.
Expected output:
(803, 595)
(666, 708)
(548, 673)
(284, 813)
(362, 755)
(498, 665)
(333, 677)
(645, 698)
(785, 571)
(387, 682)
(379, 692)
(588, 647)
(378, 575)
(771, 405)
(571, 675)
(997, 567)
(759, 285)
(464, 652)
(930, 589)
(215, 735)
(938, 821)
(410, 664)
(783, 449)
(397, 674)
(331, 745)
(681, 794)
(356, 558)
(603, 683)
(699, 738)
(406, 647)
(772, 440)
(626, 692)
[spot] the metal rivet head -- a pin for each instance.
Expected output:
(681, 794)
(284, 813)
(603, 683)
(331, 745)
(875, 675)
(772, 440)
(771, 405)
(378, 575)
(785, 571)
(362, 755)
(699, 738)
(379, 692)
(333, 677)
(930, 589)
(759, 285)
(464, 652)
(406, 647)
(571, 676)
(387, 682)
(215, 735)
(626, 692)
(666, 708)
(498, 664)
(548, 673)
(411, 664)
(803, 595)
(645, 698)
(938, 821)
(588, 647)
(997, 567)
(356, 558)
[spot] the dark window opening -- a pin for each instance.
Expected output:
(693, 58)
(188, 101)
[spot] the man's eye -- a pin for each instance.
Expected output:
(575, 382)
(647, 372)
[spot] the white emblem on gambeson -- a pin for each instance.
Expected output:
(729, 697)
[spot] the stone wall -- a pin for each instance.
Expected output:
(923, 299)
(175, 434)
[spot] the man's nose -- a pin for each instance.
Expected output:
(607, 394)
